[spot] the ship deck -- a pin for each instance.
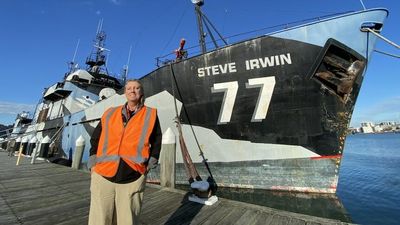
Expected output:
(46, 193)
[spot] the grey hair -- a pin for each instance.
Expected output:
(142, 99)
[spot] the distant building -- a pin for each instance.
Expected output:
(378, 129)
(367, 127)
(387, 123)
(353, 130)
(386, 126)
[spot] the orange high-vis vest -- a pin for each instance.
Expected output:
(129, 142)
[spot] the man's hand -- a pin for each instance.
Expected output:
(153, 162)
(91, 162)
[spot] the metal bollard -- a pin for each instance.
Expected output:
(44, 147)
(31, 145)
(24, 144)
(79, 148)
(17, 144)
(35, 153)
(39, 147)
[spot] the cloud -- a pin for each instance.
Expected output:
(10, 110)
(387, 110)
(115, 2)
(7, 119)
(390, 106)
(15, 108)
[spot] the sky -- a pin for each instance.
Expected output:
(39, 38)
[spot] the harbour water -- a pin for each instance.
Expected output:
(368, 191)
(369, 182)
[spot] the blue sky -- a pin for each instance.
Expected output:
(39, 39)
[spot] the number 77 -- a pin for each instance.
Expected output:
(266, 85)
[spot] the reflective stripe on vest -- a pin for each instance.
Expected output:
(143, 136)
(105, 144)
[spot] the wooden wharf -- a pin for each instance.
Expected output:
(45, 193)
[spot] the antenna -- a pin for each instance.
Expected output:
(129, 55)
(76, 50)
(72, 65)
(126, 69)
(99, 26)
(107, 56)
(362, 3)
(102, 49)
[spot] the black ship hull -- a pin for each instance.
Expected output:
(270, 112)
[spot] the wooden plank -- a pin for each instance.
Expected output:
(249, 217)
(162, 206)
(44, 202)
(296, 221)
(204, 214)
(185, 213)
(51, 214)
(151, 202)
(9, 221)
(281, 220)
(235, 214)
(74, 221)
(33, 194)
(151, 190)
(155, 196)
(217, 216)
(163, 212)
(264, 218)
(312, 223)
(9, 174)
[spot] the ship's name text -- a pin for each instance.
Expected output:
(217, 69)
(250, 64)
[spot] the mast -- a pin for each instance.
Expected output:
(98, 57)
(126, 67)
(198, 4)
(203, 20)
(72, 64)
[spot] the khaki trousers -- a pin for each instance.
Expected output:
(113, 203)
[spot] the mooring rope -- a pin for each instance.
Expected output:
(388, 54)
(173, 80)
(385, 39)
(382, 37)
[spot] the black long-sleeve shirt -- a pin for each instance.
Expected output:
(125, 173)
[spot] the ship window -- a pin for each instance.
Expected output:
(76, 78)
(83, 80)
(338, 68)
(60, 85)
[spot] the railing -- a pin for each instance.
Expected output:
(195, 50)
(7, 133)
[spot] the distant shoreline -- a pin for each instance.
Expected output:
(388, 132)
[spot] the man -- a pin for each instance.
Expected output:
(10, 147)
(125, 146)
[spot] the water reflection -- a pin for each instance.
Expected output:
(321, 205)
